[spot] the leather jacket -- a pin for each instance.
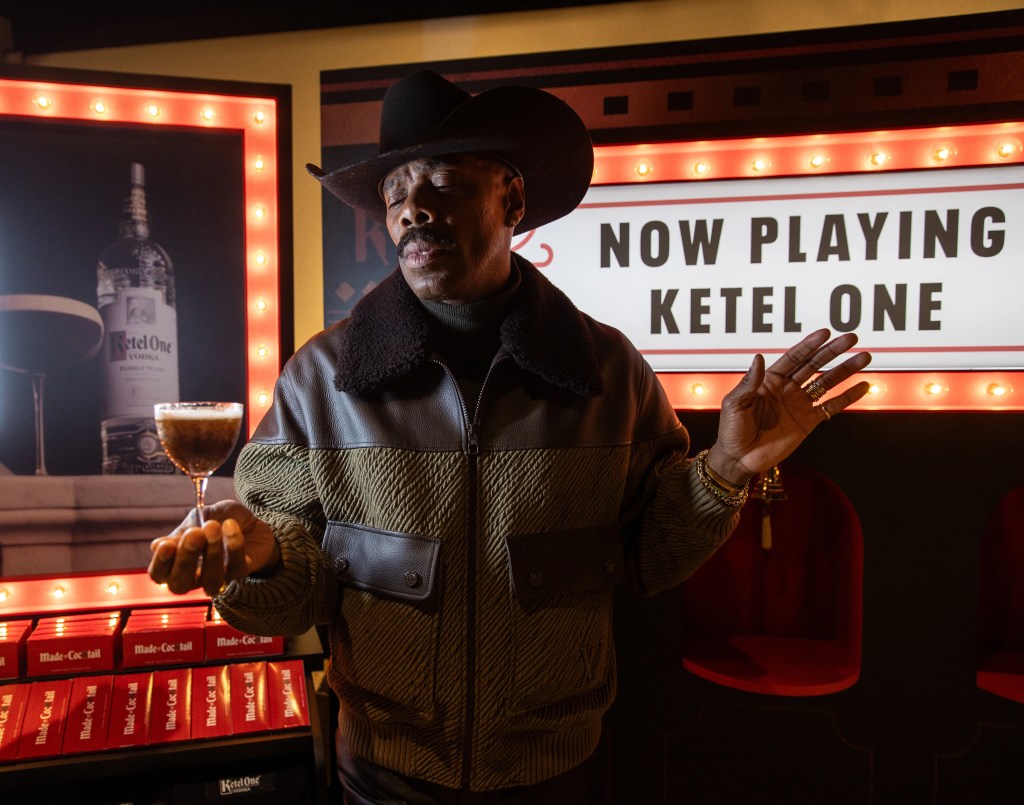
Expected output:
(466, 566)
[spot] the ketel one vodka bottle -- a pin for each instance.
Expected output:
(135, 286)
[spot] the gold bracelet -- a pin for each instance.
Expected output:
(728, 496)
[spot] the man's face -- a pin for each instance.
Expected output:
(450, 219)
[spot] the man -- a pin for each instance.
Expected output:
(455, 477)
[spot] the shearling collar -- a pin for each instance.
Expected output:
(386, 336)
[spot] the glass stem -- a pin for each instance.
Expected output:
(200, 485)
(38, 380)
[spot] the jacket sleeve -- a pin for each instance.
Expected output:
(273, 480)
(673, 523)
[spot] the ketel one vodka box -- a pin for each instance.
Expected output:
(249, 697)
(170, 710)
(286, 692)
(45, 716)
(88, 715)
(129, 710)
(13, 701)
(72, 645)
(13, 635)
(211, 701)
(163, 638)
(224, 642)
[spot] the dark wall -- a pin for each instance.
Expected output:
(914, 728)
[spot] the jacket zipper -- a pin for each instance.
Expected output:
(472, 451)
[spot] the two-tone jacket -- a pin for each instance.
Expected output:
(465, 565)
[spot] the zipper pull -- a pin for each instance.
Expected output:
(472, 445)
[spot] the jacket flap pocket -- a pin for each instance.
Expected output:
(565, 561)
(389, 563)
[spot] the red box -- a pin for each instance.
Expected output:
(286, 691)
(225, 642)
(129, 710)
(154, 642)
(88, 715)
(170, 712)
(45, 717)
(13, 702)
(249, 697)
(112, 618)
(13, 635)
(173, 613)
(211, 701)
(87, 648)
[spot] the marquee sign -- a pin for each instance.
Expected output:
(923, 264)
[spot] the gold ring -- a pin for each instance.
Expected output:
(222, 588)
(815, 390)
(824, 412)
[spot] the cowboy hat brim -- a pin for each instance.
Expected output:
(538, 134)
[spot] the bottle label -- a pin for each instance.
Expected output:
(140, 359)
(140, 366)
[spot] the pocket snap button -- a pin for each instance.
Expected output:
(341, 565)
(412, 579)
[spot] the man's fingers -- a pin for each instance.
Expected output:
(234, 546)
(187, 557)
(211, 574)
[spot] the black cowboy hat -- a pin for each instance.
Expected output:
(425, 115)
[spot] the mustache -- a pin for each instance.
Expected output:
(426, 234)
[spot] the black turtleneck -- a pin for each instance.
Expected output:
(467, 336)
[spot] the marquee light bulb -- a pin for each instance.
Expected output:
(259, 117)
(99, 107)
(207, 114)
(643, 169)
(701, 168)
(5, 595)
(999, 389)
(258, 163)
(42, 101)
(1008, 149)
(260, 211)
(699, 390)
(934, 389)
(878, 158)
(876, 389)
(261, 351)
(943, 152)
(152, 110)
(261, 259)
(58, 592)
(113, 588)
(261, 304)
(760, 164)
(262, 398)
(817, 161)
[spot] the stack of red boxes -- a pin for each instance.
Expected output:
(163, 692)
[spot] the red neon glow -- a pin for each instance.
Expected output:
(814, 154)
(75, 592)
(256, 118)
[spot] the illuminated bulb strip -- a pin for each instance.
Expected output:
(794, 155)
(889, 391)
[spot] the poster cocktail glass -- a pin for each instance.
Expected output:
(198, 437)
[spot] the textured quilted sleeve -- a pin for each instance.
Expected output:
(673, 523)
(273, 480)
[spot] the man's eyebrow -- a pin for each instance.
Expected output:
(428, 164)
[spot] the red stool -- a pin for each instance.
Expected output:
(1001, 604)
(786, 619)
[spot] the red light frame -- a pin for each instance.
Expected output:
(935, 148)
(256, 118)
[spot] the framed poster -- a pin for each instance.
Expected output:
(196, 175)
